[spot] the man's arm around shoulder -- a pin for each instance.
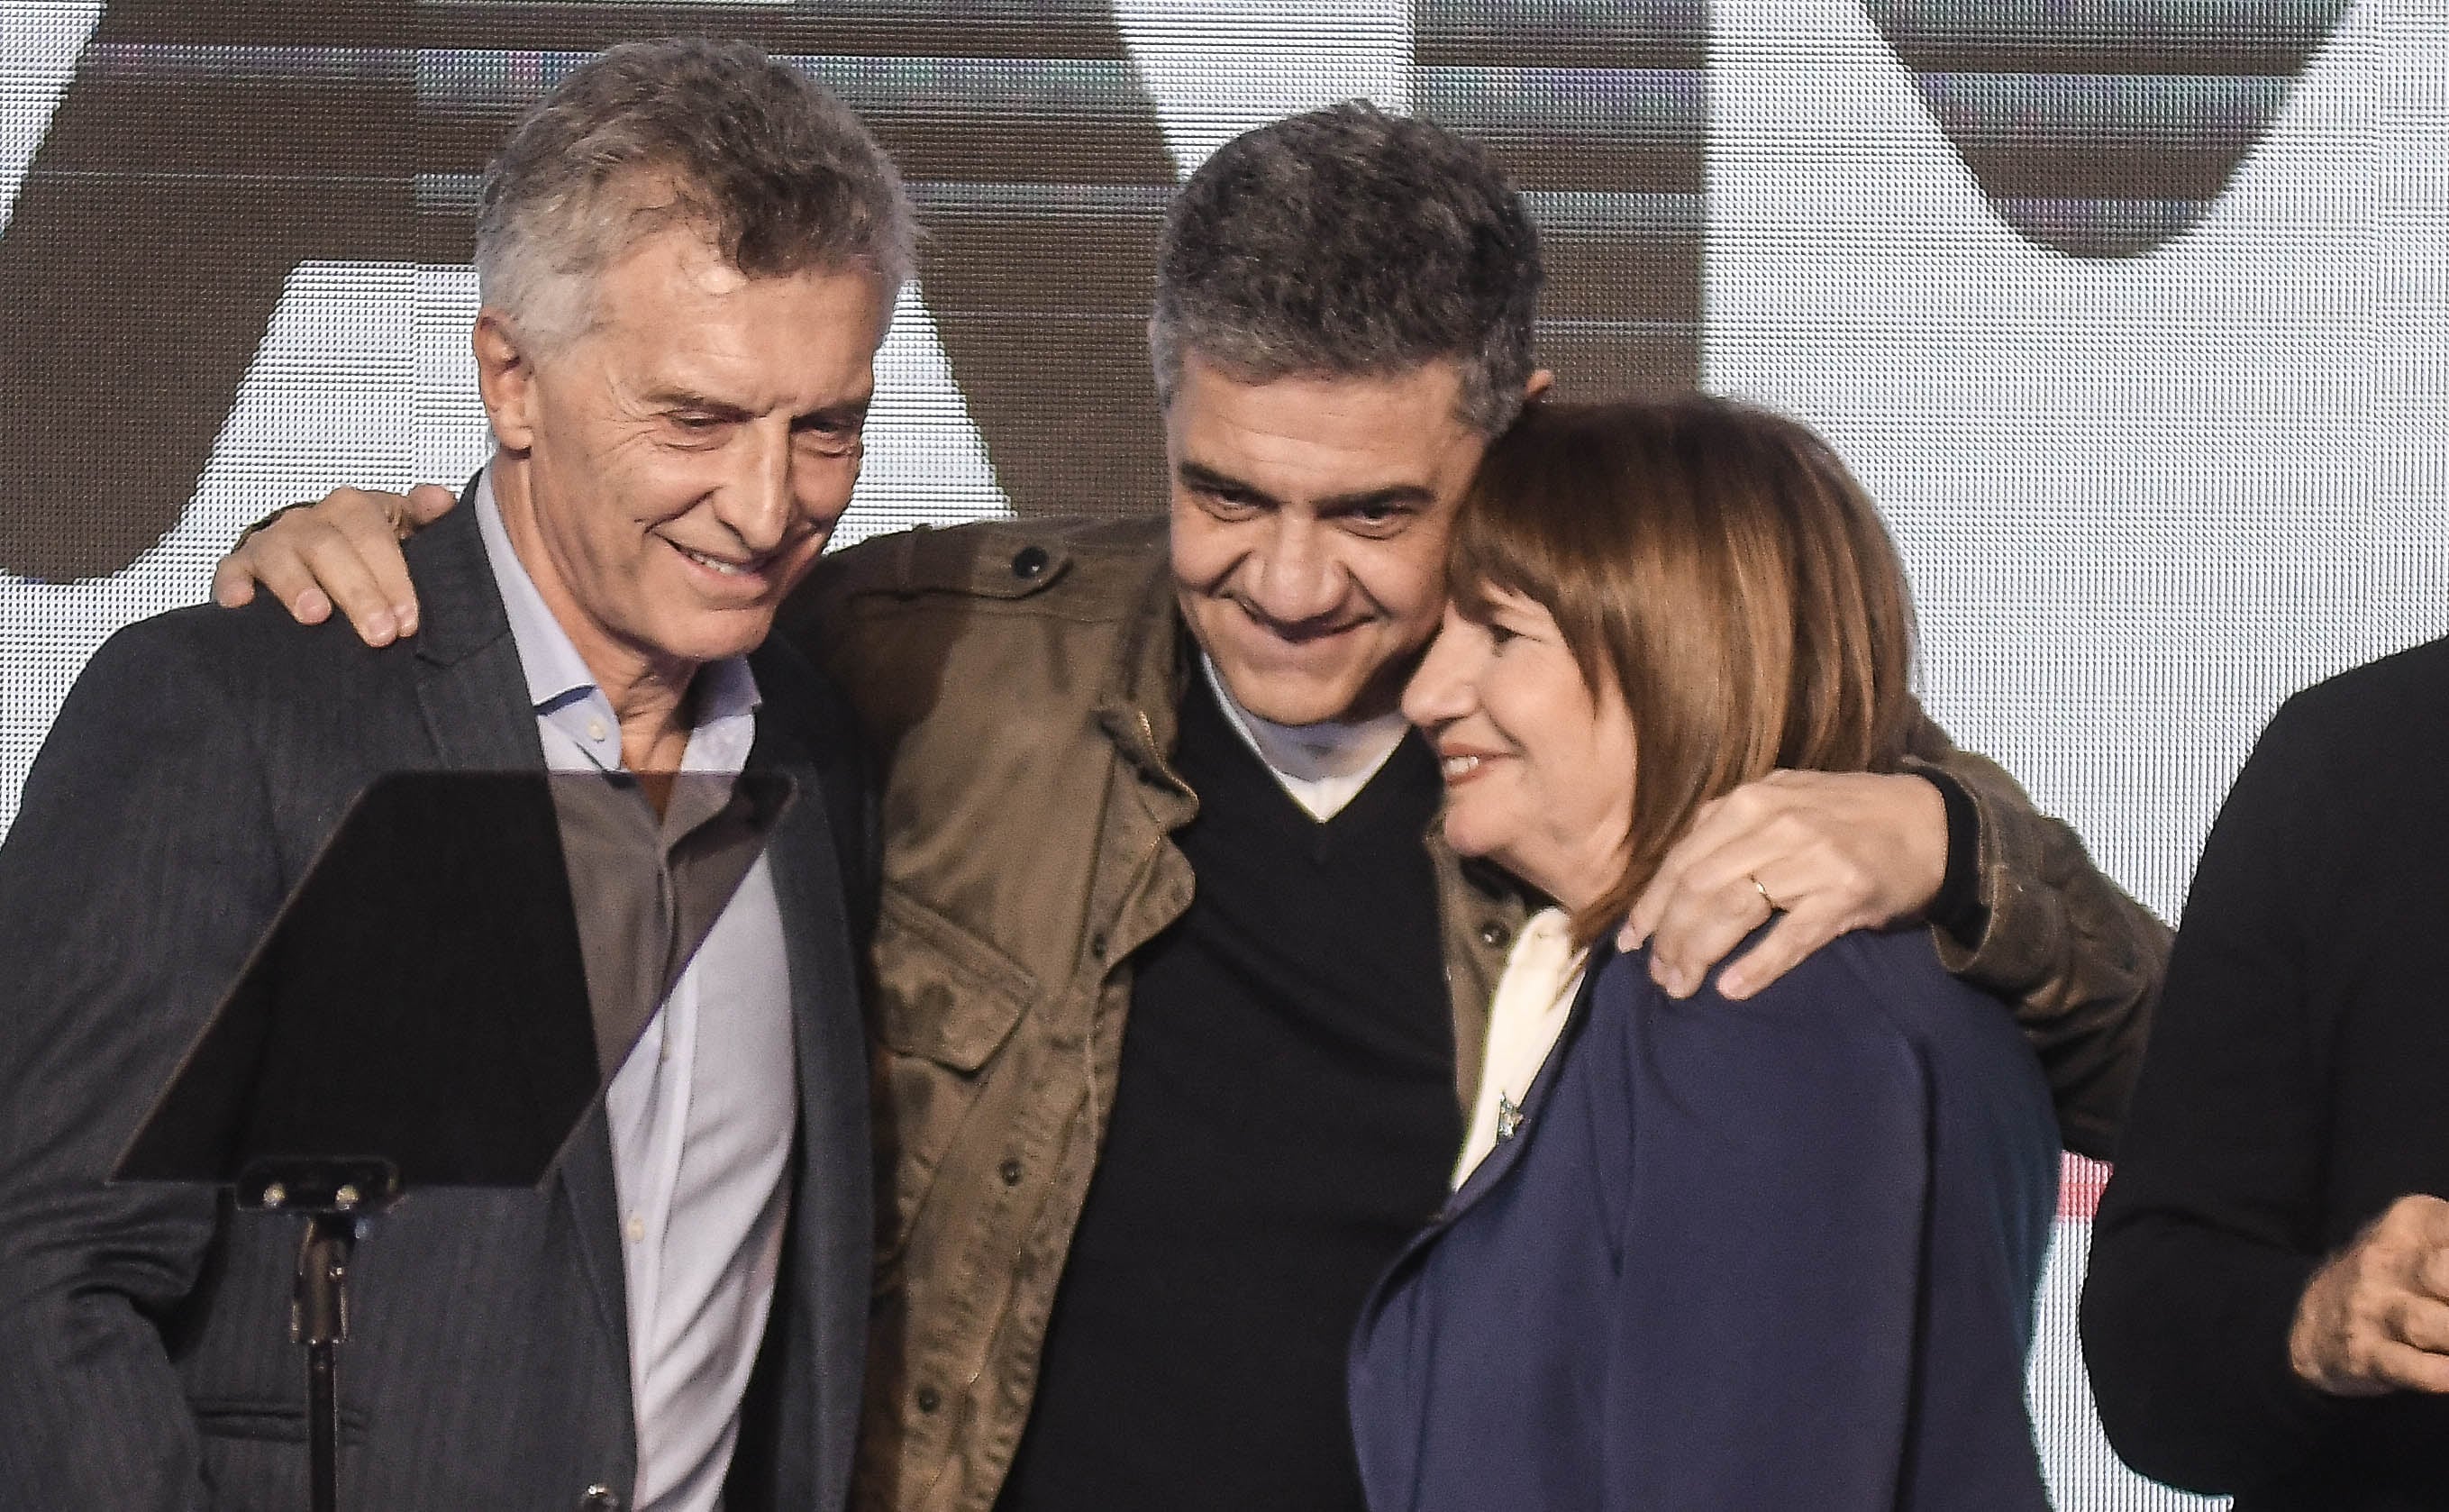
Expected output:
(2080, 961)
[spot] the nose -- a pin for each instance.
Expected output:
(1441, 690)
(1293, 577)
(756, 501)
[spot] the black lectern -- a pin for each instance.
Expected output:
(431, 1009)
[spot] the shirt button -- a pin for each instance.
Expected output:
(1495, 934)
(1097, 945)
(599, 1499)
(929, 1399)
(637, 1228)
(1009, 1171)
(1029, 562)
(595, 729)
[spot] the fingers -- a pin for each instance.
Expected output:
(1696, 930)
(2419, 1322)
(341, 552)
(2407, 1368)
(1718, 899)
(1797, 935)
(425, 503)
(2422, 1220)
(364, 522)
(232, 586)
(2374, 1318)
(1836, 851)
(270, 557)
(1713, 826)
(311, 566)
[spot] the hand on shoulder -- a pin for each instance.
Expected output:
(342, 551)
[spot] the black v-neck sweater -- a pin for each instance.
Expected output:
(1285, 1119)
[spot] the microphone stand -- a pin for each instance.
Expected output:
(337, 1199)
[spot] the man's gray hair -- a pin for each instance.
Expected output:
(779, 174)
(1347, 242)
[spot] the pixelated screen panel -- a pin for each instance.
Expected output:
(2126, 311)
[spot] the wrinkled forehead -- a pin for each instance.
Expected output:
(1311, 439)
(674, 290)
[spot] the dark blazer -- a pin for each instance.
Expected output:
(1768, 1255)
(198, 764)
(2297, 1084)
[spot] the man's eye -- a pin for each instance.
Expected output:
(828, 437)
(832, 440)
(1498, 635)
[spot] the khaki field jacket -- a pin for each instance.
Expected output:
(1019, 683)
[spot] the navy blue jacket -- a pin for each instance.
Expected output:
(1769, 1254)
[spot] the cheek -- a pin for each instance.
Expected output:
(1202, 550)
(1409, 585)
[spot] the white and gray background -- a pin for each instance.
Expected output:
(2161, 444)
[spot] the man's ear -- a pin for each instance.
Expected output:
(506, 378)
(1539, 382)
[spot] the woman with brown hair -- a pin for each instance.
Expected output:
(1774, 1253)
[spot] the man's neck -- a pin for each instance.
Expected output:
(1323, 766)
(648, 693)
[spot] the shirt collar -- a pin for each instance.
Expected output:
(558, 679)
(1334, 751)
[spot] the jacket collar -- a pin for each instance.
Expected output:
(1139, 705)
(1500, 1160)
(462, 606)
(468, 677)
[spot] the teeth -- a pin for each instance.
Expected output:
(1456, 766)
(726, 568)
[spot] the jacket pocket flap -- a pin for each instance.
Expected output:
(997, 559)
(941, 992)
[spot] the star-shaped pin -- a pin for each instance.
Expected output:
(1509, 1117)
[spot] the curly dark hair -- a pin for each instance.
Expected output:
(779, 173)
(1347, 242)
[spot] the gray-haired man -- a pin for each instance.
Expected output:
(1176, 1013)
(689, 253)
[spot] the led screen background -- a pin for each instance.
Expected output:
(2126, 311)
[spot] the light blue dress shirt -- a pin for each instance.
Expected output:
(703, 1109)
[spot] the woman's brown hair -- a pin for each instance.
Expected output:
(1722, 567)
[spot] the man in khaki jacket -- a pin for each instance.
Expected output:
(1158, 1082)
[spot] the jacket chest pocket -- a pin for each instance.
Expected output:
(946, 1002)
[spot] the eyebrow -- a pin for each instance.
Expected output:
(848, 412)
(1392, 494)
(1198, 475)
(1208, 480)
(685, 400)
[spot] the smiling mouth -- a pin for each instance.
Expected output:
(719, 565)
(1458, 768)
(1298, 634)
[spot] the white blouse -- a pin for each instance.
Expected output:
(1542, 973)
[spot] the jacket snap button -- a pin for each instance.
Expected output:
(600, 1498)
(930, 1399)
(1097, 945)
(1494, 934)
(1029, 562)
(1009, 1171)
